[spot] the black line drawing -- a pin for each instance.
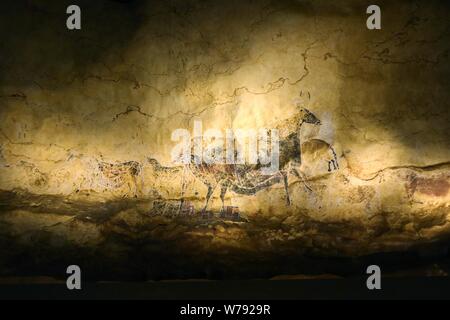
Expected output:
(247, 179)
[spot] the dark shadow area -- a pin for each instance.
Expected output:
(146, 246)
(354, 288)
(395, 80)
(35, 40)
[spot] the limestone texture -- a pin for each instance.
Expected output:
(86, 118)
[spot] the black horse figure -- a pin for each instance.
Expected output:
(248, 179)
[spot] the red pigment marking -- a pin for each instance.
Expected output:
(437, 187)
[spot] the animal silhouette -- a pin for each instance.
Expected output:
(120, 173)
(248, 179)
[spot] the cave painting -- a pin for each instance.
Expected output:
(247, 178)
(114, 175)
(241, 146)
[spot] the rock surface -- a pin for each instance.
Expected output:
(87, 116)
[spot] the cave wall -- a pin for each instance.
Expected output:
(114, 91)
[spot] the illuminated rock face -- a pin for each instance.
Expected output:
(87, 117)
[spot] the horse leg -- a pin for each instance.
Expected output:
(135, 184)
(223, 191)
(335, 162)
(183, 189)
(286, 188)
(208, 196)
